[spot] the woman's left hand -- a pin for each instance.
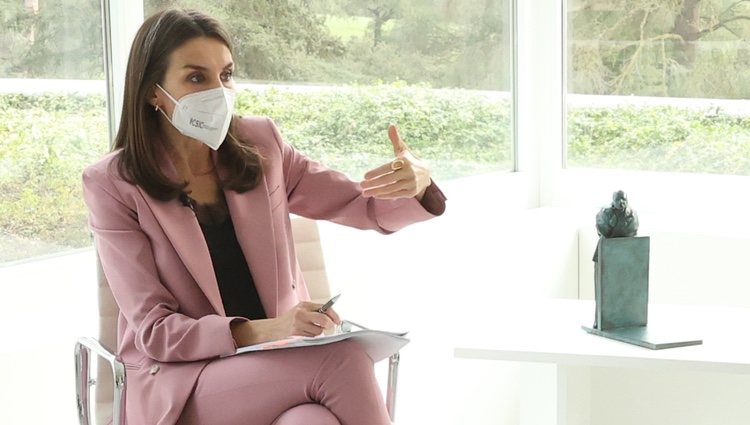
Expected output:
(404, 177)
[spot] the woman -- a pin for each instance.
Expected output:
(190, 214)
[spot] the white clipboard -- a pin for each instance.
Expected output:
(378, 344)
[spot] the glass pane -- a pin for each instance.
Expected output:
(52, 123)
(334, 74)
(659, 85)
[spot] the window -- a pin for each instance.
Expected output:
(52, 123)
(334, 74)
(658, 85)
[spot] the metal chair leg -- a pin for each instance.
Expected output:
(83, 386)
(390, 400)
(84, 382)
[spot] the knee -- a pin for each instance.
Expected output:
(307, 414)
(346, 359)
(351, 353)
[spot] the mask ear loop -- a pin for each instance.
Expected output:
(167, 93)
(157, 108)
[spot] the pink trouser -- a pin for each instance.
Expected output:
(257, 388)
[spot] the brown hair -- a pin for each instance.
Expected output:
(157, 38)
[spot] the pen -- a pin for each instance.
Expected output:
(328, 305)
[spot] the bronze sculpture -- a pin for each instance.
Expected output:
(616, 221)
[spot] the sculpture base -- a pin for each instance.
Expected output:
(645, 336)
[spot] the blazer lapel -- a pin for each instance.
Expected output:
(183, 231)
(251, 216)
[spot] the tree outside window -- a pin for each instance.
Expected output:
(659, 85)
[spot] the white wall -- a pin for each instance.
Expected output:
(429, 278)
(45, 307)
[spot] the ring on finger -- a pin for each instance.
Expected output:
(397, 164)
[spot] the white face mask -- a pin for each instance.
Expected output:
(203, 115)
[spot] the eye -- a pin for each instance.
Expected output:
(227, 76)
(196, 78)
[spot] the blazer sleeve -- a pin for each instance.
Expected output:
(151, 311)
(318, 192)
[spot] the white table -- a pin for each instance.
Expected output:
(546, 336)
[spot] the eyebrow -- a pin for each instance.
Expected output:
(203, 68)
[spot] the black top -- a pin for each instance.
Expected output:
(236, 285)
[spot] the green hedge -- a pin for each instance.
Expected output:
(459, 132)
(659, 138)
(44, 143)
(46, 140)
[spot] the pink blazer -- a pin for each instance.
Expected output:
(172, 322)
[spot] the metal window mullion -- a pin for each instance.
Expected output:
(120, 22)
(107, 60)
(514, 81)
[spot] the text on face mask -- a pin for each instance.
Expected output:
(200, 124)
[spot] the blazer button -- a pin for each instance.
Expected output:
(294, 285)
(154, 369)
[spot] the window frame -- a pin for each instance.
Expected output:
(120, 22)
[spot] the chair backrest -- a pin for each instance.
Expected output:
(310, 258)
(108, 314)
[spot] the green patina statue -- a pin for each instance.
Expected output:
(617, 220)
(621, 281)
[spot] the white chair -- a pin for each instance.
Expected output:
(109, 403)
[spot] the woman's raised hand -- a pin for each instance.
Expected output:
(404, 177)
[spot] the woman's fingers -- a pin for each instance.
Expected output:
(331, 313)
(379, 171)
(396, 188)
(307, 330)
(404, 182)
(404, 177)
(399, 146)
(388, 178)
(393, 190)
(307, 321)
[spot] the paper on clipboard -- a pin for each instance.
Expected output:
(378, 344)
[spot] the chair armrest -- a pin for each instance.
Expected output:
(98, 349)
(83, 350)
